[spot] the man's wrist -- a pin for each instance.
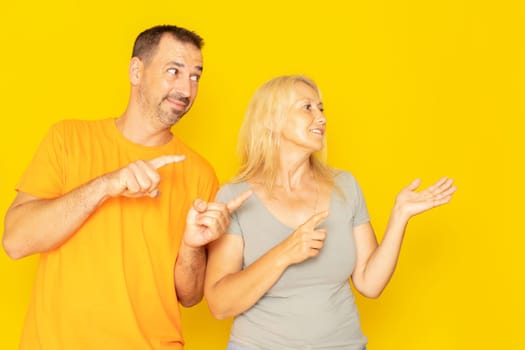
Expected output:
(188, 249)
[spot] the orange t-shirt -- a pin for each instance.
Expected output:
(110, 286)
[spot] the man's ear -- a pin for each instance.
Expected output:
(136, 68)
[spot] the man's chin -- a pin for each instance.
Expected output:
(173, 116)
(170, 120)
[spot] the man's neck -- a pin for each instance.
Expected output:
(141, 132)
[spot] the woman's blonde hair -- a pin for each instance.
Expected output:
(259, 136)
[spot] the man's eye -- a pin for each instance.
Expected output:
(308, 107)
(195, 77)
(172, 71)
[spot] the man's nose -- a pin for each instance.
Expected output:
(183, 86)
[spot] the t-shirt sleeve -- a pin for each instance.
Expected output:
(204, 179)
(225, 194)
(361, 211)
(44, 177)
(209, 187)
(354, 196)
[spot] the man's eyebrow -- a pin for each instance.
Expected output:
(181, 65)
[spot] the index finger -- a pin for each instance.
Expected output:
(316, 219)
(165, 160)
(235, 203)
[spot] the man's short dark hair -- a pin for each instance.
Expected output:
(147, 42)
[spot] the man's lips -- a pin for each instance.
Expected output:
(177, 103)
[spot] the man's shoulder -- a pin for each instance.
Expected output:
(83, 122)
(68, 126)
(193, 156)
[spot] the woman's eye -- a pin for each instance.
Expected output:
(308, 107)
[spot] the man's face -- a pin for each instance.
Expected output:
(170, 79)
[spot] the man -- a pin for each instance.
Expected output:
(114, 208)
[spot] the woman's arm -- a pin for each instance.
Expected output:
(230, 290)
(375, 263)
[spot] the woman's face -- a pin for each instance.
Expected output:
(305, 122)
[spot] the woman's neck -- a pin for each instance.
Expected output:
(294, 175)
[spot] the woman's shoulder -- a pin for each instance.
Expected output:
(343, 177)
(346, 184)
(231, 189)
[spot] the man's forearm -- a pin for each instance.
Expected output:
(34, 225)
(189, 272)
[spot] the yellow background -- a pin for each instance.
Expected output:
(411, 89)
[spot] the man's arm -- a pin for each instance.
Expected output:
(34, 225)
(205, 222)
(189, 273)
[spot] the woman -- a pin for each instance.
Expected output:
(282, 270)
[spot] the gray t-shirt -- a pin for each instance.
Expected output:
(311, 306)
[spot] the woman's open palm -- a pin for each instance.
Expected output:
(412, 203)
